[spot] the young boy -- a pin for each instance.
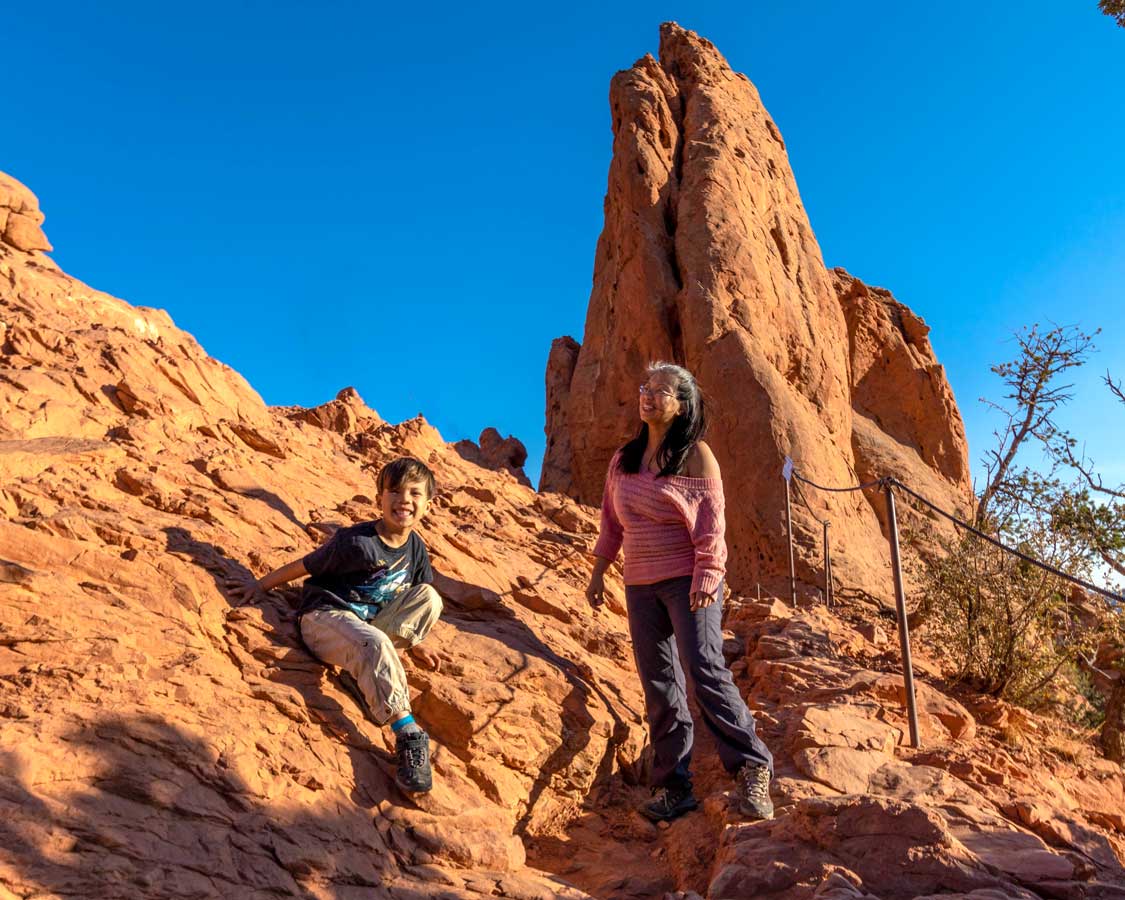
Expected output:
(371, 591)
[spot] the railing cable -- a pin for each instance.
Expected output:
(1081, 582)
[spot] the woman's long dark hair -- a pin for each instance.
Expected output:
(684, 433)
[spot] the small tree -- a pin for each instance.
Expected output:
(1095, 509)
(1097, 512)
(1034, 397)
(1115, 9)
(1008, 626)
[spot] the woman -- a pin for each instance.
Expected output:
(664, 501)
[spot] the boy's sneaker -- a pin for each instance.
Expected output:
(413, 774)
(669, 803)
(753, 792)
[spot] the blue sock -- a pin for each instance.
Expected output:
(396, 727)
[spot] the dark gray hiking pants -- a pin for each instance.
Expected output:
(661, 623)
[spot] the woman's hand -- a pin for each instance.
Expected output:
(595, 591)
(701, 600)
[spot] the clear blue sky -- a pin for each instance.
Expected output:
(406, 199)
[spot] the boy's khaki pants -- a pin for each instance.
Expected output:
(366, 650)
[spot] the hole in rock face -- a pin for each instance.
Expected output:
(674, 265)
(675, 328)
(665, 140)
(779, 239)
(670, 220)
(774, 133)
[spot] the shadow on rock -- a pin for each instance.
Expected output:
(280, 657)
(478, 610)
(153, 810)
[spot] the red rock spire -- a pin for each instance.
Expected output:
(707, 258)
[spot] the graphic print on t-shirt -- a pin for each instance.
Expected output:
(355, 570)
(384, 584)
(377, 589)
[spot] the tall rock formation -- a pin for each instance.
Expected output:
(707, 259)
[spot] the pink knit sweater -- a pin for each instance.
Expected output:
(670, 527)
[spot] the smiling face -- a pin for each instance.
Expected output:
(658, 405)
(404, 504)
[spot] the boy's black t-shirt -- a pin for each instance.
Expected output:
(355, 570)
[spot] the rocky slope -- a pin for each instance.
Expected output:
(995, 804)
(707, 258)
(158, 742)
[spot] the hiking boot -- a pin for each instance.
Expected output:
(753, 792)
(413, 774)
(669, 803)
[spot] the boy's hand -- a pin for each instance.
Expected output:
(595, 591)
(244, 589)
(426, 658)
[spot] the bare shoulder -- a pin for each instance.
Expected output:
(701, 462)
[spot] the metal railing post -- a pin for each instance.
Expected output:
(888, 484)
(789, 533)
(827, 568)
(903, 628)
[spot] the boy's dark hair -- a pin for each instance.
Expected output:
(406, 468)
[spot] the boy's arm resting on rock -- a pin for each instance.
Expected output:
(248, 590)
(288, 572)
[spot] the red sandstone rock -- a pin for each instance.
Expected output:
(707, 258)
(157, 742)
(556, 474)
(898, 385)
(346, 415)
(20, 217)
(495, 452)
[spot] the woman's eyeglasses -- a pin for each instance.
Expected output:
(661, 392)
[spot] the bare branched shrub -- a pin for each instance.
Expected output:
(1006, 627)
